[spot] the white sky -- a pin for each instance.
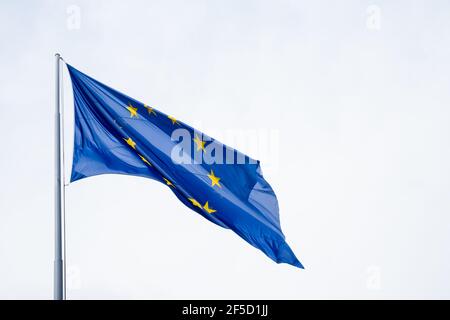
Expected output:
(353, 98)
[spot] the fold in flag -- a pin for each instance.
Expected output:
(117, 134)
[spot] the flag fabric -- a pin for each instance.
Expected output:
(117, 134)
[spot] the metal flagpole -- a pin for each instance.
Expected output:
(59, 292)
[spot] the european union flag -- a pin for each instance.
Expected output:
(117, 134)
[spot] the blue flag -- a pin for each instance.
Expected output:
(117, 134)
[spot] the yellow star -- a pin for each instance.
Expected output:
(150, 109)
(200, 143)
(145, 160)
(130, 142)
(174, 120)
(133, 111)
(214, 179)
(170, 184)
(195, 202)
(208, 209)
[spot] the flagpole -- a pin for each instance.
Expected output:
(59, 290)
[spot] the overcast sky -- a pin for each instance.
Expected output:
(346, 107)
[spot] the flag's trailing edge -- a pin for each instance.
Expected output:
(117, 134)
